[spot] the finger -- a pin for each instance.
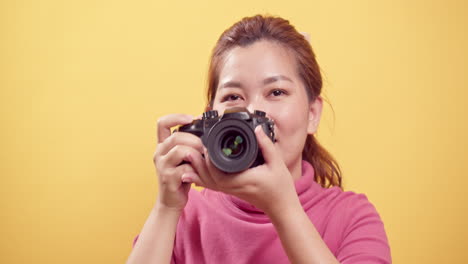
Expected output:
(209, 166)
(173, 179)
(177, 155)
(192, 177)
(199, 165)
(266, 145)
(180, 138)
(166, 122)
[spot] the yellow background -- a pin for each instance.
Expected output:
(83, 83)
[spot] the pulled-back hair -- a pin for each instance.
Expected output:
(252, 29)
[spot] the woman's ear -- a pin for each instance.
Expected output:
(315, 113)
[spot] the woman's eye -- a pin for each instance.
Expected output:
(231, 97)
(277, 92)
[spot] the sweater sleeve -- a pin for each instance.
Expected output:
(364, 238)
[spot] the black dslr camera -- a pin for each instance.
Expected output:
(230, 138)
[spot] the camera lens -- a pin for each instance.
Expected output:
(233, 145)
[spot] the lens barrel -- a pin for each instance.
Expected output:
(232, 145)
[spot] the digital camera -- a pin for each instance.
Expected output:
(230, 138)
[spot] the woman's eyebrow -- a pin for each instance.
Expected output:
(275, 79)
(231, 84)
(272, 79)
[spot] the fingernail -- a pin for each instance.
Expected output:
(186, 179)
(189, 157)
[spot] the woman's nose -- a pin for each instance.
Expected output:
(256, 104)
(252, 108)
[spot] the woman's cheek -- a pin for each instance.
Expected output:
(219, 107)
(291, 132)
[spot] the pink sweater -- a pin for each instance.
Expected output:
(219, 228)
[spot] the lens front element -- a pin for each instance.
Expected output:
(233, 146)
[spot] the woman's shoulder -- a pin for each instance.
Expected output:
(349, 196)
(335, 203)
(347, 200)
(349, 222)
(326, 199)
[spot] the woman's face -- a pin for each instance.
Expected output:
(263, 76)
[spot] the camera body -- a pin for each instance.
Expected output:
(230, 138)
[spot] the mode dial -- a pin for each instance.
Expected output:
(260, 113)
(210, 114)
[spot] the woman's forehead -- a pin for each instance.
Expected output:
(259, 60)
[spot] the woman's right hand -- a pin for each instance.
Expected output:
(171, 152)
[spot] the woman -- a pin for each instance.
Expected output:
(291, 208)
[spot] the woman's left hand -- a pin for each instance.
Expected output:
(269, 187)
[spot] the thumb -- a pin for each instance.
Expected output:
(266, 145)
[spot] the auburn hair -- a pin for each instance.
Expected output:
(278, 30)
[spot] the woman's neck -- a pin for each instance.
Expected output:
(296, 169)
